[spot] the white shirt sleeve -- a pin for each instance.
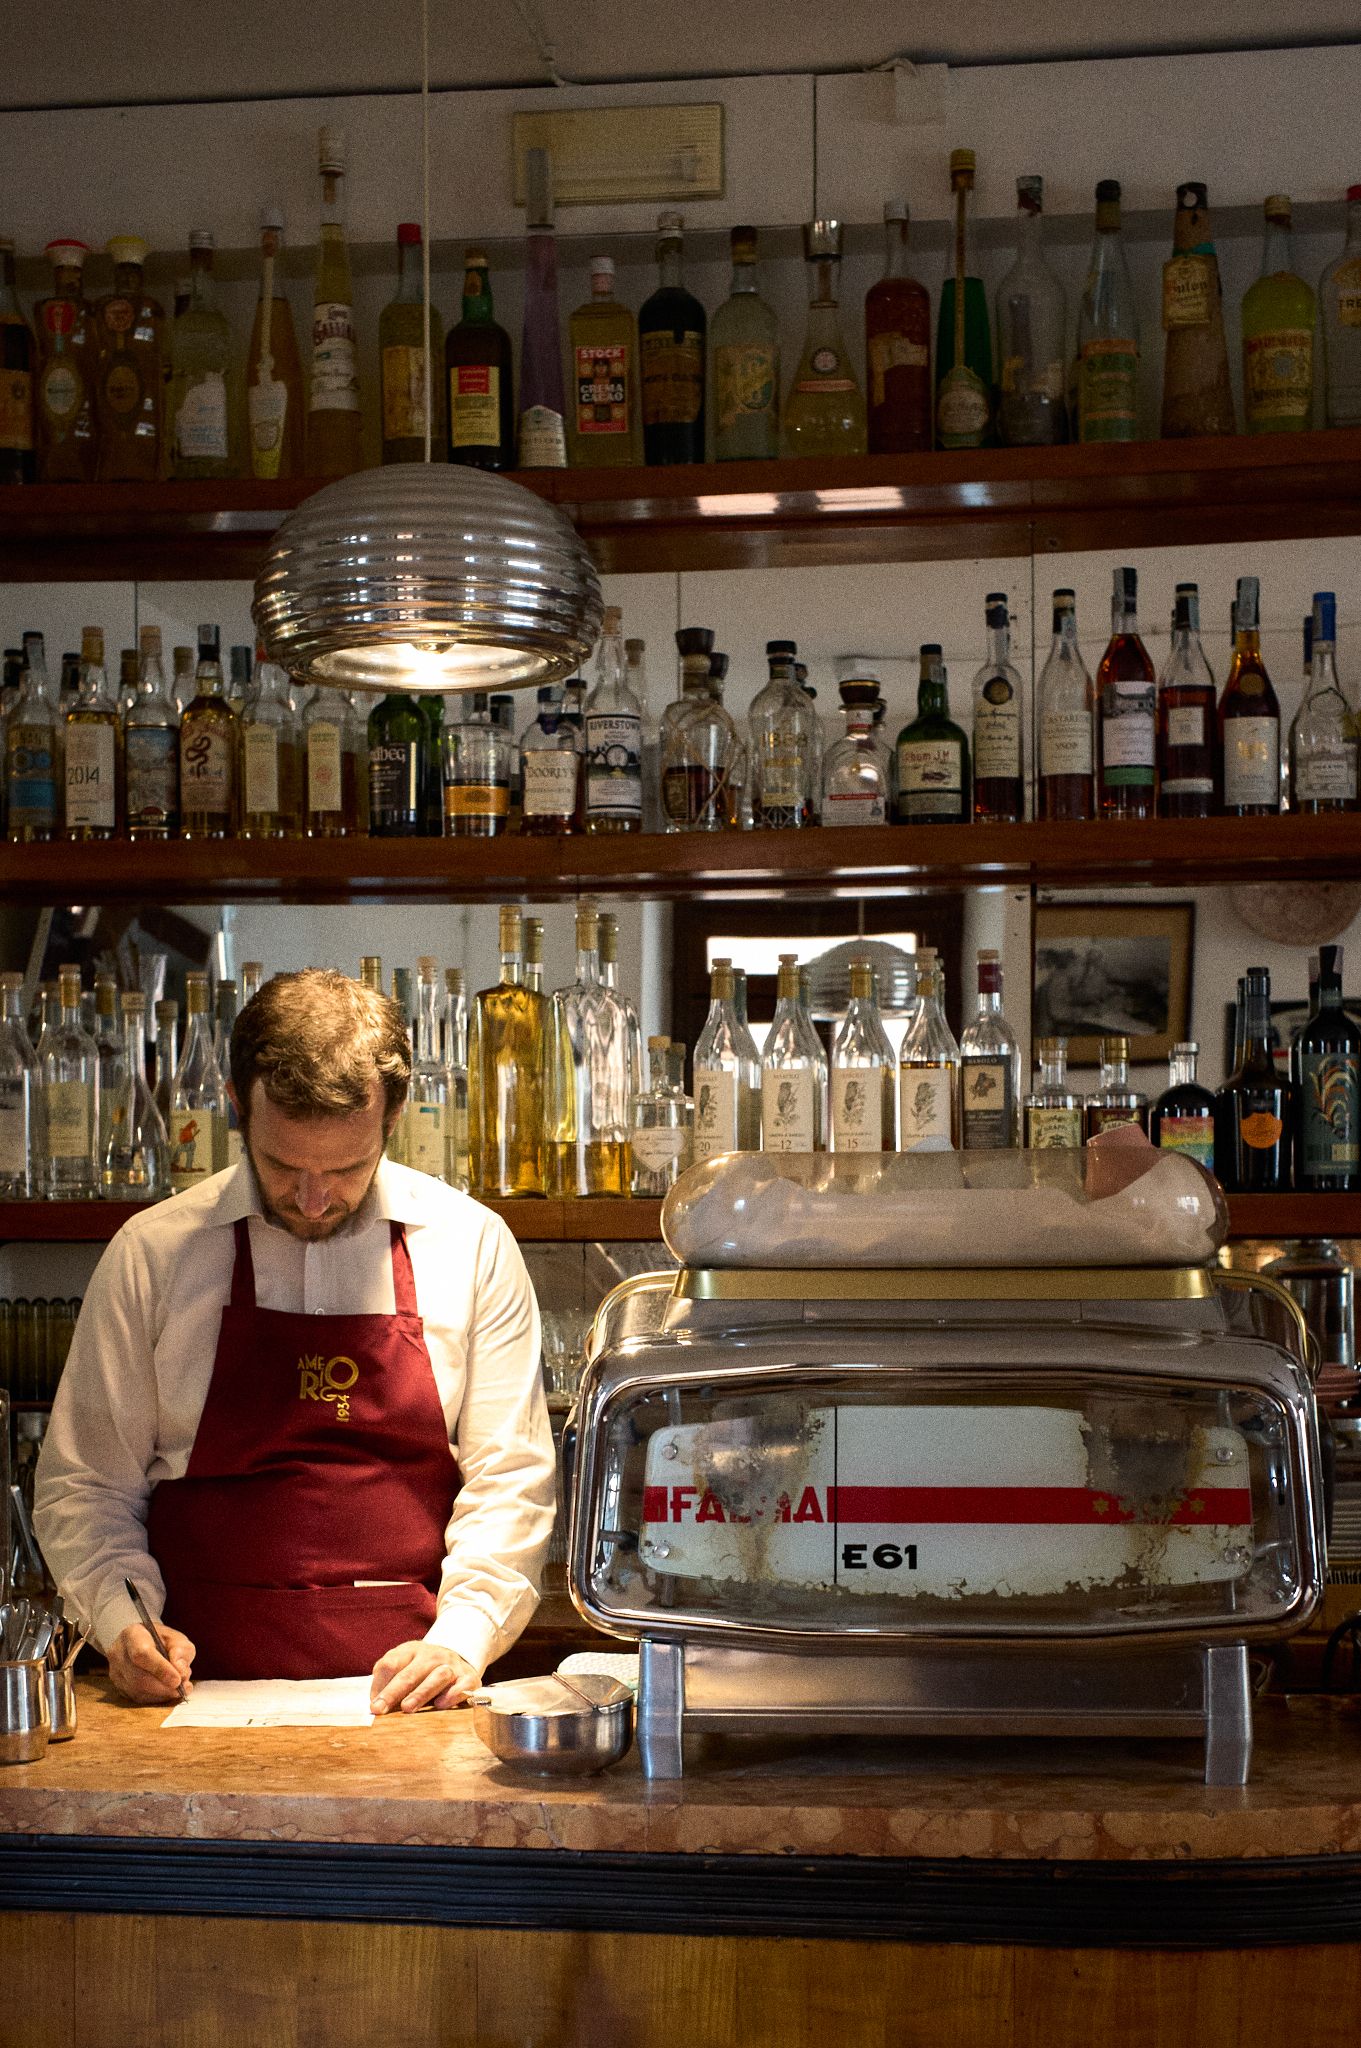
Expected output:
(502, 1520)
(92, 1489)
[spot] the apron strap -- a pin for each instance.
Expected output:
(243, 1271)
(403, 1278)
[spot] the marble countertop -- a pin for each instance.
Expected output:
(427, 1781)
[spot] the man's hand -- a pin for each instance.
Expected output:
(139, 1670)
(420, 1674)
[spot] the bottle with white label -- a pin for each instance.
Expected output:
(1127, 711)
(1053, 1113)
(727, 1073)
(793, 1072)
(863, 1073)
(989, 1069)
(659, 1137)
(91, 749)
(203, 402)
(1116, 1101)
(33, 732)
(1066, 719)
(1187, 736)
(928, 1068)
(1249, 717)
(856, 770)
(614, 738)
(70, 1084)
(333, 423)
(20, 1099)
(198, 1098)
(135, 1160)
(271, 757)
(151, 749)
(1323, 735)
(274, 386)
(998, 747)
(427, 1103)
(333, 770)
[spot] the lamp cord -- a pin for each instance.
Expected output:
(425, 212)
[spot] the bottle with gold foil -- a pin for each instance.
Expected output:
(333, 422)
(824, 413)
(271, 757)
(92, 809)
(745, 356)
(198, 1098)
(964, 395)
(1278, 336)
(1053, 1113)
(477, 369)
(671, 344)
(130, 393)
(863, 1072)
(727, 1071)
(275, 417)
(604, 343)
(1197, 394)
(67, 368)
(793, 1072)
(928, 1068)
(405, 338)
(507, 1046)
(69, 1061)
(18, 462)
(208, 750)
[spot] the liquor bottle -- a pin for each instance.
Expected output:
(703, 758)
(1108, 332)
(1116, 1101)
(1323, 733)
(69, 1061)
(454, 1051)
(129, 669)
(507, 1043)
(1053, 1112)
(399, 737)
(824, 413)
(898, 347)
(18, 460)
(1197, 395)
(271, 758)
(475, 757)
(635, 659)
(550, 765)
(426, 1114)
(863, 1073)
(21, 1151)
(234, 1142)
(208, 750)
(1249, 717)
(1032, 335)
(1188, 782)
(1066, 719)
(793, 1072)
(998, 743)
(202, 404)
(408, 340)
(604, 343)
(614, 738)
(928, 1069)
(1326, 1067)
(1127, 720)
(855, 779)
(333, 421)
(628, 1024)
(1340, 321)
(331, 767)
(658, 1136)
(455, 1023)
(1278, 336)
(130, 386)
(533, 954)
(165, 1057)
(1183, 1117)
(934, 783)
(989, 1069)
(477, 369)
(671, 332)
(67, 367)
(32, 754)
(252, 974)
(745, 339)
(541, 438)
(135, 1161)
(276, 419)
(1253, 1109)
(783, 744)
(182, 664)
(91, 808)
(589, 1079)
(198, 1098)
(727, 1075)
(963, 338)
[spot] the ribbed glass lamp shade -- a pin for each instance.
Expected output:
(427, 576)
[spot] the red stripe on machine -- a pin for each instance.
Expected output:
(880, 1506)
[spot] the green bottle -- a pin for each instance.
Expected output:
(399, 739)
(935, 785)
(964, 394)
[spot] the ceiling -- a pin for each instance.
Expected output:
(93, 54)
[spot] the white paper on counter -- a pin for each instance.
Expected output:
(275, 1703)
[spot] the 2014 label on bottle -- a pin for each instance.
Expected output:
(91, 797)
(715, 1124)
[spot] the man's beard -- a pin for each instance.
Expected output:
(308, 1229)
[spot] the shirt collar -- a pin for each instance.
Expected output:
(396, 1195)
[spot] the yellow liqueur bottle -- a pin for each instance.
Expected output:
(274, 387)
(333, 422)
(406, 339)
(824, 413)
(507, 1046)
(604, 342)
(1278, 336)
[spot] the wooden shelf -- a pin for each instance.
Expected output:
(736, 515)
(882, 859)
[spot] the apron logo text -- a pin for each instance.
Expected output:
(328, 1379)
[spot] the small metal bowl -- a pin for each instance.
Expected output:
(555, 1727)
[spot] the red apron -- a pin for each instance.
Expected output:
(322, 1457)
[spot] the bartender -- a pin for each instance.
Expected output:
(303, 1409)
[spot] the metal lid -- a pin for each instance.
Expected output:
(553, 1697)
(822, 240)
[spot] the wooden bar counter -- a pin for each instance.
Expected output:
(303, 1886)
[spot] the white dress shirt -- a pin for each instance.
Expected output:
(128, 1406)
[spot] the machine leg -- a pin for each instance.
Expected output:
(1228, 1714)
(661, 1708)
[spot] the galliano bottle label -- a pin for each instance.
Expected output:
(925, 1108)
(857, 1101)
(715, 1126)
(335, 369)
(1252, 765)
(787, 1118)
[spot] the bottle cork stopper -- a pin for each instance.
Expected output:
(512, 927)
(92, 645)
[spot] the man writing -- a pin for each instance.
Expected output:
(303, 1408)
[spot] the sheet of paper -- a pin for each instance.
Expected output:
(275, 1703)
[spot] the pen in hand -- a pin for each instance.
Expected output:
(144, 1617)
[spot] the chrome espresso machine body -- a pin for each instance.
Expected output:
(983, 1500)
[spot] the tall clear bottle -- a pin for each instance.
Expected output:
(745, 357)
(108, 1038)
(408, 340)
(228, 1007)
(333, 418)
(275, 418)
(198, 1097)
(964, 396)
(1197, 394)
(165, 1057)
(1188, 781)
(1249, 716)
(203, 405)
(1127, 711)
(32, 753)
(542, 433)
(998, 736)
(629, 1025)
(208, 749)
(1067, 722)
(1032, 335)
(614, 738)
(793, 1072)
(1324, 731)
(1107, 366)
(862, 1073)
(507, 1051)
(928, 1069)
(1278, 320)
(635, 656)
(151, 749)
(69, 1060)
(898, 347)
(990, 1068)
(784, 750)
(590, 1085)
(130, 394)
(21, 1148)
(1340, 324)
(135, 1163)
(427, 1104)
(91, 749)
(271, 758)
(727, 1075)
(824, 413)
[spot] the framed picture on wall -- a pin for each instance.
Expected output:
(1107, 970)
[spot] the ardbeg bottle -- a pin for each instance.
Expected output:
(399, 739)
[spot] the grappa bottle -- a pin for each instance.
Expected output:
(333, 422)
(658, 1136)
(862, 1073)
(727, 1075)
(990, 1069)
(928, 1069)
(135, 1162)
(408, 341)
(507, 1047)
(1326, 1057)
(793, 1072)
(32, 753)
(70, 1081)
(198, 1098)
